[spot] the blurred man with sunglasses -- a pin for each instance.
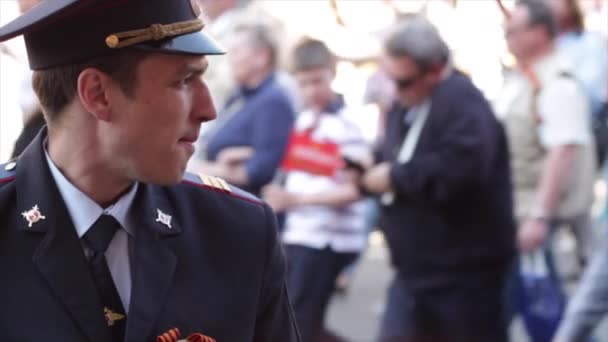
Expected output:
(444, 182)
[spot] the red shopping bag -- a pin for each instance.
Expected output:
(306, 154)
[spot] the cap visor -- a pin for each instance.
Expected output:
(196, 43)
(35, 18)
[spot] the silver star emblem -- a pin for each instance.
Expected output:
(163, 218)
(33, 215)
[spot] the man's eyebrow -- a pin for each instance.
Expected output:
(193, 68)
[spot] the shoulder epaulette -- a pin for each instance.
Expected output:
(8, 171)
(219, 185)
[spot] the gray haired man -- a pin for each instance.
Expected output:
(444, 181)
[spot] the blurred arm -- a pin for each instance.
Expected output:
(556, 170)
(271, 131)
(460, 159)
(275, 320)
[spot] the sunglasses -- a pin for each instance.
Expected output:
(406, 82)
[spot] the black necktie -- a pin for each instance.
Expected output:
(98, 238)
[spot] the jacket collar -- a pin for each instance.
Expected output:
(83, 210)
(60, 258)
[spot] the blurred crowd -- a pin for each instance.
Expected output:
(468, 186)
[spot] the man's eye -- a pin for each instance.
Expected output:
(191, 78)
(187, 80)
(183, 81)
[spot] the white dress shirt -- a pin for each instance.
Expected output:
(84, 212)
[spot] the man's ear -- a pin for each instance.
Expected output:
(92, 88)
(435, 74)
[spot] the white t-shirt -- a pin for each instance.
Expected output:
(320, 226)
(563, 108)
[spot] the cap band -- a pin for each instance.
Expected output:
(154, 32)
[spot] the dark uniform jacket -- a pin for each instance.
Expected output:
(218, 271)
(452, 213)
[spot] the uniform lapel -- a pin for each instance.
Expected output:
(153, 263)
(59, 256)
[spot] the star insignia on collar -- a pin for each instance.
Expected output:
(163, 218)
(112, 317)
(33, 215)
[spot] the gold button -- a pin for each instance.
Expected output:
(10, 166)
(112, 41)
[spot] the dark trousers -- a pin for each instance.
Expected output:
(311, 277)
(467, 309)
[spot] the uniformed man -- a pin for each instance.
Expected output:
(102, 237)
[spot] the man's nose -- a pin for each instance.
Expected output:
(203, 107)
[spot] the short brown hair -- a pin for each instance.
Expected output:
(576, 16)
(56, 87)
(311, 54)
(540, 14)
